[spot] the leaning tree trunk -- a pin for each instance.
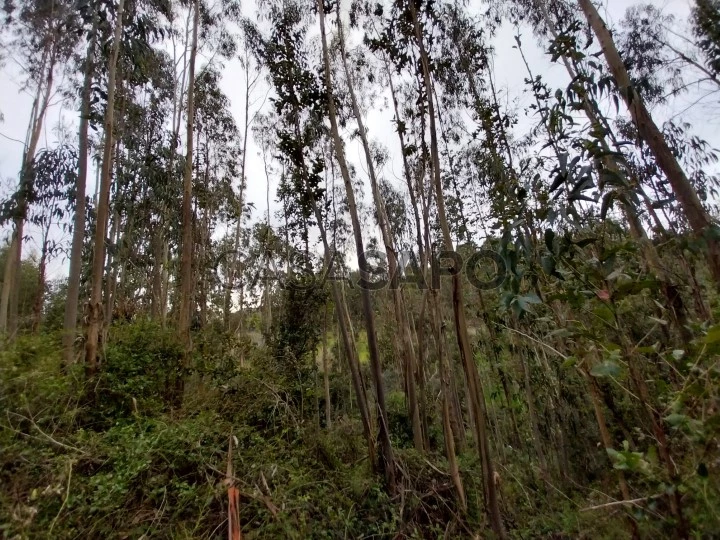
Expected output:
(475, 393)
(610, 162)
(386, 451)
(348, 340)
(407, 350)
(98, 264)
(692, 207)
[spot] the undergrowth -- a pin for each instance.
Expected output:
(116, 458)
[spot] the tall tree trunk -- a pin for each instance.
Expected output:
(420, 334)
(406, 345)
(475, 394)
(9, 298)
(186, 262)
(348, 340)
(692, 207)
(388, 465)
(73, 291)
(113, 266)
(98, 264)
(446, 399)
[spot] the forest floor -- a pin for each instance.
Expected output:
(119, 459)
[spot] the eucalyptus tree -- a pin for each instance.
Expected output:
(697, 216)
(387, 460)
(98, 262)
(76, 249)
(253, 72)
(301, 105)
(186, 258)
(217, 166)
(413, 23)
(54, 172)
(399, 310)
(209, 29)
(44, 36)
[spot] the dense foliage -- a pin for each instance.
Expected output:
(457, 314)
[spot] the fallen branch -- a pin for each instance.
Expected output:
(618, 503)
(45, 435)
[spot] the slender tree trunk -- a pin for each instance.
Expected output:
(388, 465)
(113, 265)
(535, 429)
(692, 207)
(421, 253)
(98, 264)
(186, 263)
(405, 346)
(157, 274)
(9, 298)
(607, 443)
(326, 373)
(40, 295)
(475, 395)
(348, 339)
(73, 290)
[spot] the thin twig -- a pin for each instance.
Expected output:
(617, 503)
(65, 500)
(553, 349)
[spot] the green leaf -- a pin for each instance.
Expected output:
(713, 334)
(531, 298)
(607, 368)
(676, 419)
(569, 362)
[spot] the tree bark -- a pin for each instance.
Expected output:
(98, 264)
(698, 218)
(186, 263)
(73, 291)
(326, 374)
(9, 298)
(388, 465)
(475, 395)
(406, 345)
(40, 294)
(348, 340)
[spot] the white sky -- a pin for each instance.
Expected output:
(509, 73)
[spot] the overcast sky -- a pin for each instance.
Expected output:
(510, 73)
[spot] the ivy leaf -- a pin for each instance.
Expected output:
(569, 362)
(713, 334)
(676, 419)
(607, 368)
